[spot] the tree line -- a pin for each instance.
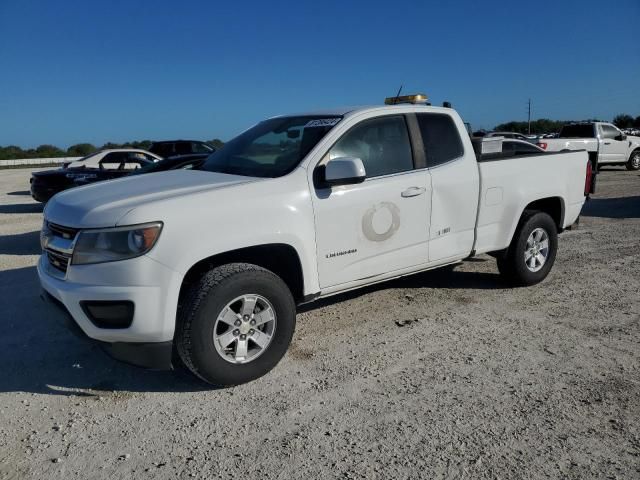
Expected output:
(544, 125)
(13, 152)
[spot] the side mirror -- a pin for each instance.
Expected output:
(622, 137)
(344, 171)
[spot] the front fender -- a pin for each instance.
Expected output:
(199, 226)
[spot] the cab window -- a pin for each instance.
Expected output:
(381, 143)
(112, 161)
(609, 132)
(183, 148)
(440, 138)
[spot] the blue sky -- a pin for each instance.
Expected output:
(97, 71)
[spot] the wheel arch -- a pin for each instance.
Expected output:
(279, 258)
(553, 206)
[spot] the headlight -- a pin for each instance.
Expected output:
(112, 244)
(45, 233)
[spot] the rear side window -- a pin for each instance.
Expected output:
(580, 130)
(162, 149)
(440, 137)
(112, 161)
(381, 143)
(197, 147)
(183, 148)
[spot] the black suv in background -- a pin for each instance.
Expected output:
(171, 148)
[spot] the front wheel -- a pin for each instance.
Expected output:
(634, 161)
(235, 324)
(532, 252)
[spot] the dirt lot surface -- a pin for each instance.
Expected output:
(447, 374)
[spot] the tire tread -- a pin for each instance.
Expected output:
(192, 301)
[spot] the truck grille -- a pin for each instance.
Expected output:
(58, 243)
(67, 233)
(59, 261)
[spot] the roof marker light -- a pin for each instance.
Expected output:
(418, 98)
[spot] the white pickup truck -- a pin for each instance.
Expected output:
(605, 143)
(208, 266)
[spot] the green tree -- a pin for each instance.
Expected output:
(80, 150)
(109, 145)
(623, 121)
(49, 151)
(216, 143)
(11, 152)
(542, 125)
(636, 122)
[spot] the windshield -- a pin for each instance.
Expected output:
(580, 130)
(272, 148)
(187, 162)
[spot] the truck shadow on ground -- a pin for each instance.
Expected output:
(20, 192)
(622, 207)
(20, 244)
(444, 277)
(22, 208)
(40, 355)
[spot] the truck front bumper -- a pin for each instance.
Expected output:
(145, 337)
(153, 355)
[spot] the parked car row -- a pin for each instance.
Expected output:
(604, 142)
(115, 163)
(635, 132)
(205, 266)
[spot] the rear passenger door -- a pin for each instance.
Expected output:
(454, 187)
(381, 225)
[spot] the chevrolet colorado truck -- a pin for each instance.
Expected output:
(606, 144)
(206, 267)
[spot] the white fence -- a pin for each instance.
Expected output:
(27, 162)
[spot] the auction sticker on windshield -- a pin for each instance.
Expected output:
(323, 122)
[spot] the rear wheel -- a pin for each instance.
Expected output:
(235, 324)
(634, 161)
(532, 251)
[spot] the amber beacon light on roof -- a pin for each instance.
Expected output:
(418, 98)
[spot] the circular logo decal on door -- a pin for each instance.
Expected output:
(381, 222)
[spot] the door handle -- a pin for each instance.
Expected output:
(607, 143)
(413, 192)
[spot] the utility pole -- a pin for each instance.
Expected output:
(529, 118)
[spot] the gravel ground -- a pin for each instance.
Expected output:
(447, 374)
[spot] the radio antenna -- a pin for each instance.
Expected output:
(398, 94)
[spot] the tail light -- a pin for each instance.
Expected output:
(543, 145)
(588, 179)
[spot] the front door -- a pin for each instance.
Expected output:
(378, 226)
(611, 149)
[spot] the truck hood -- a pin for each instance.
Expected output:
(103, 204)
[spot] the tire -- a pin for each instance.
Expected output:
(514, 266)
(634, 160)
(215, 305)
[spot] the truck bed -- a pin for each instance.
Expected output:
(559, 144)
(503, 194)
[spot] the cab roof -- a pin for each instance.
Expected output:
(348, 111)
